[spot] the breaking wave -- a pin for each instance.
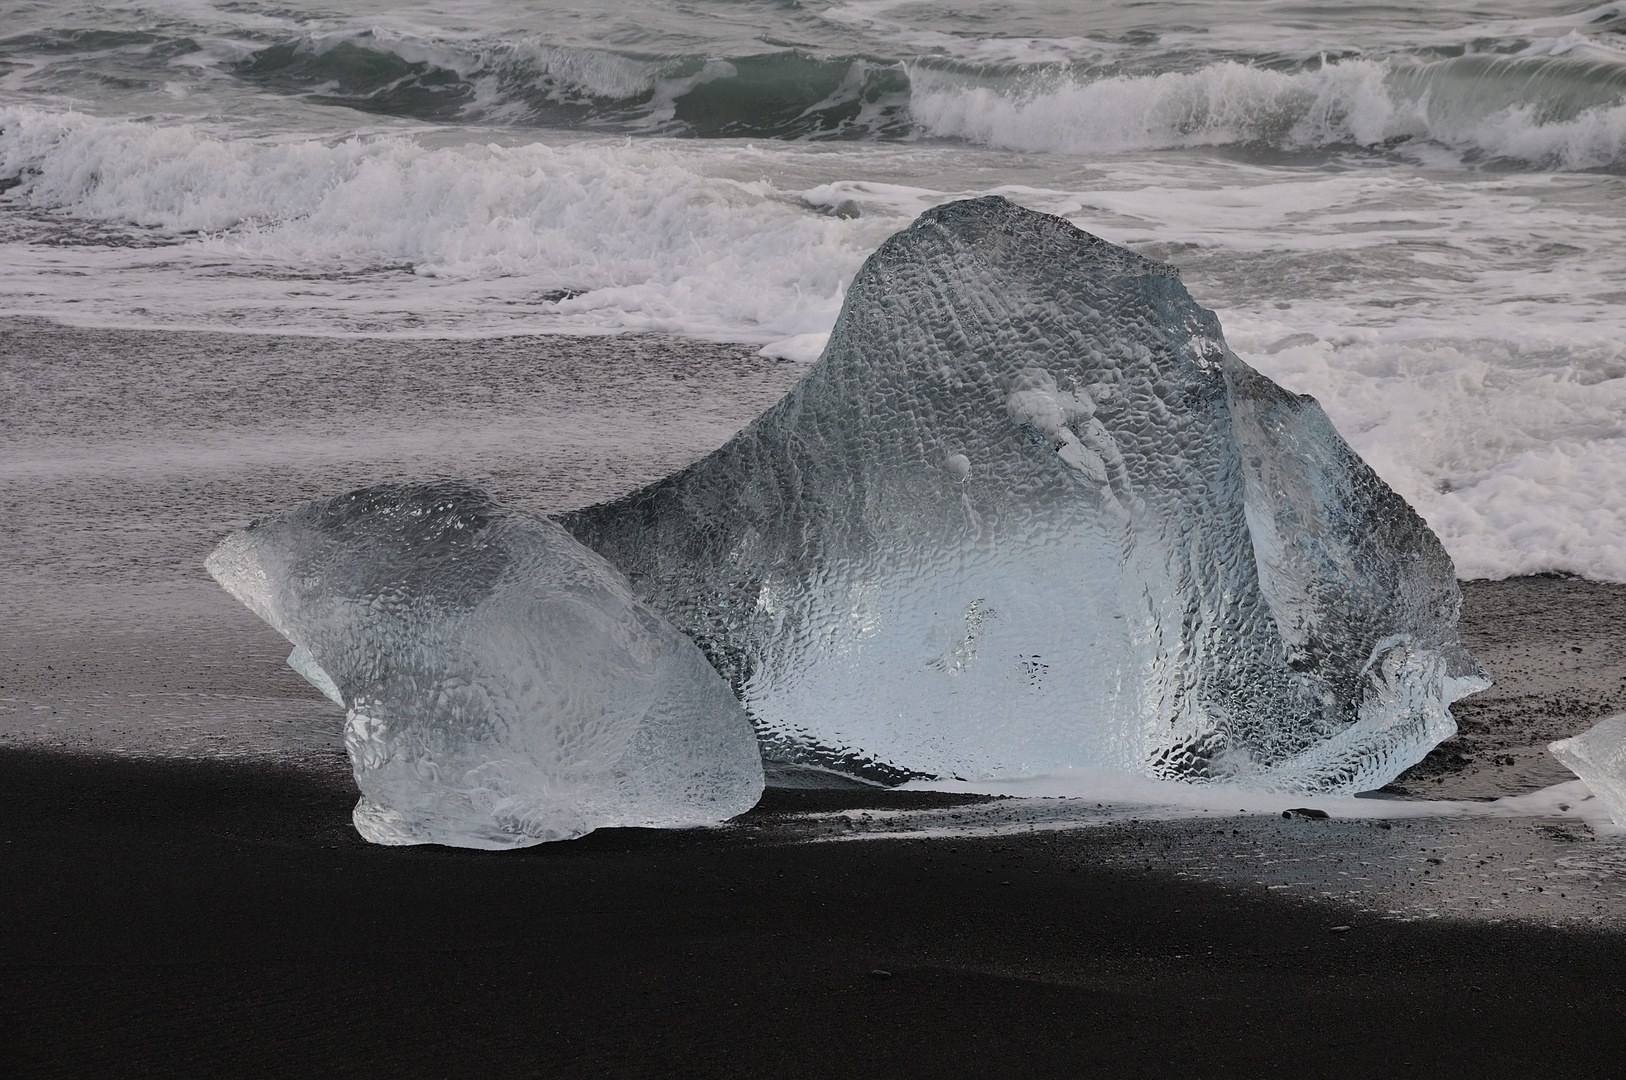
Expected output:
(610, 234)
(1552, 103)
(1551, 112)
(788, 94)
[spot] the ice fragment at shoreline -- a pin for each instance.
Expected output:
(1029, 513)
(502, 685)
(1598, 757)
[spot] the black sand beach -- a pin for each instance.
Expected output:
(184, 894)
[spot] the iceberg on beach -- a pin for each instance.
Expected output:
(1028, 513)
(502, 685)
(1598, 757)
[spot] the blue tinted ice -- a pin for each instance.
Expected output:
(1598, 756)
(1029, 512)
(502, 686)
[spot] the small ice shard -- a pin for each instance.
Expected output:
(1028, 513)
(1598, 757)
(311, 672)
(502, 685)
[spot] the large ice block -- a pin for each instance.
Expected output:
(1598, 757)
(502, 686)
(1028, 512)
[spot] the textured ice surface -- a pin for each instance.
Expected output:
(502, 685)
(1598, 756)
(1029, 513)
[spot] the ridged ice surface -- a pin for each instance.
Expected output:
(502, 686)
(1028, 512)
(1598, 756)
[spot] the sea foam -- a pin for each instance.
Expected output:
(636, 237)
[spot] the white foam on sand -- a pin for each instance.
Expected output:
(1085, 795)
(1550, 856)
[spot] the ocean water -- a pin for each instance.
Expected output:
(1416, 213)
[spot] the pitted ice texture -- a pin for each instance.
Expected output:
(1598, 757)
(1028, 512)
(502, 685)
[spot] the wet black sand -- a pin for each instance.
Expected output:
(1556, 649)
(214, 919)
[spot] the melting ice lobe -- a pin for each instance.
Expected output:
(502, 685)
(1029, 513)
(1598, 756)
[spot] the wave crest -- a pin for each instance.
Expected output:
(1552, 112)
(786, 94)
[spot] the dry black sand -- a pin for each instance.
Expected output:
(211, 919)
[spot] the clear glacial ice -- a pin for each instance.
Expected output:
(1029, 513)
(1598, 757)
(502, 685)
